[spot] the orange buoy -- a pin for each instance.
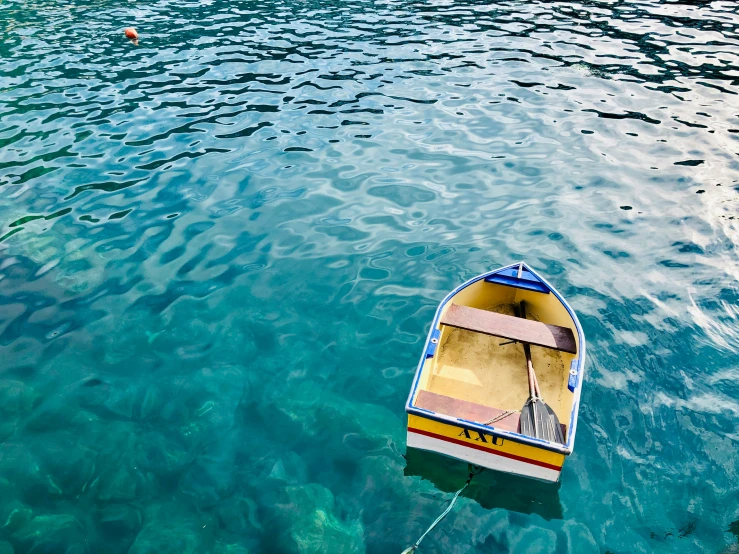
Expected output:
(131, 33)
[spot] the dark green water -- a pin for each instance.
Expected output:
(221, 249)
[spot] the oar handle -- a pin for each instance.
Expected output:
(530, 368)
(536, 386)
(533, 389)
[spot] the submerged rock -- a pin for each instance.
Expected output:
(108, 399)
(221, 548)
(16, 397)
(68, 466)
(162, 454)
(306, 523)
(14, 515)
(136, 330)
(119, 522)
(161, 539)
(16, 401)
(207, 400)
(307, 409)
(289, 468)
(238, 516)
(57, 533)
(212, 476)
(55, 414)
(7, 428)
(123, 483)
(19, 467)
(320, 532)
(174, 528)
(150, 402)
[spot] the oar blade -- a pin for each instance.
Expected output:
(554, 429)
(539, 421)
(527, 422)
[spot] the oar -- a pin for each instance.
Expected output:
(559, 436)
(537, 419)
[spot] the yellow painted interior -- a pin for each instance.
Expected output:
(478, 368)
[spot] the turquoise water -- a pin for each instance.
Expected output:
(221, 249)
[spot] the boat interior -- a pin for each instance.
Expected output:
(475, 368)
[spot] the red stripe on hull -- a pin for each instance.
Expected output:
(482, 448)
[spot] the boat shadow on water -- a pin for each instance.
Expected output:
(490, 489)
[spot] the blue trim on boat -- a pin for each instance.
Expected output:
(572, 427)
(572, 380)
(433, 343)
(517, 283)
(512, 271)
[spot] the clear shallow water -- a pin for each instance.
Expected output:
(221, 249)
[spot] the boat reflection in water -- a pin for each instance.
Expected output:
(490, 489)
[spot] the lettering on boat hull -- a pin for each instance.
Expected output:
(477, 436)
(484, 449)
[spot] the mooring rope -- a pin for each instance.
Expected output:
(474, 470)
(501, 416)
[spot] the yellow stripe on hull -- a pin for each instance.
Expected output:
(484, 449)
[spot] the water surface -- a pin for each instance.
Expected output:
(221, 249)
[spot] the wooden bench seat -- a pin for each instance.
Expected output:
(510, 327)
(465, 410)
(470, 411)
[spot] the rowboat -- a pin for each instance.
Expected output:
(472, 379)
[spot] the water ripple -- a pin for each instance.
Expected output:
(221, 247)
